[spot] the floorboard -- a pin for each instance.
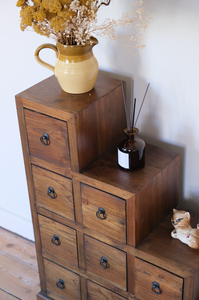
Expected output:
(19, 278)
(6, 296)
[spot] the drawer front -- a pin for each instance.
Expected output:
(104, 213)
(54, 150)
(97, 292)
(53, 192)
(106, 261)
(61, 283)
(58, 241)
(153, 283)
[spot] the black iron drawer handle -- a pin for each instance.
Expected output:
(104, 263)
(51, 193)
(55, 240)
(45, 139)
(156, 288)
(60, 284)
(101, 214)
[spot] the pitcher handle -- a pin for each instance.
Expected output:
(40, 61)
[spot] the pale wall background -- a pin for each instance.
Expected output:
(170, 63)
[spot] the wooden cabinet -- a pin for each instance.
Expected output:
(99, 230)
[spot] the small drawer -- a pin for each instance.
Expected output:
(61, 283)
(97, 292)
(153, 283)
(58, 241)
(53, 192)
(104, 213)
(47, 138)
(106, 261)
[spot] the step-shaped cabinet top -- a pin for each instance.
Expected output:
(68, 130)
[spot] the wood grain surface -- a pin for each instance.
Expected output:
(57, 151)
(116, 270)
(71, 280)
(96, 119)
(97, 292)
(114, 224)
(5, 296)
(66, 250)
(170, 285)
(154, 189)
(63, 202)
(19, 278)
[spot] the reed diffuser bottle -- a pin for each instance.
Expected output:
(131, 149)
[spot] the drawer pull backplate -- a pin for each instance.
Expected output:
(156, 288)
(60, 284)
(101, 214)
(55, 240)
(104, 263)
(45, 139)
(51, 193)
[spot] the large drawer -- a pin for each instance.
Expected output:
(153, 283)
(59, 242)
(97, 292)
(53, 192)
(104, 213)
(61, 283)
(47, 138)
(105, 261)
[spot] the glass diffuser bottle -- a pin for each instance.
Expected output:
(131, 151)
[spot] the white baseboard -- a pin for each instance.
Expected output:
(16, 224)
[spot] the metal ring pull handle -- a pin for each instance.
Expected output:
(156, 288)
(45, 139)
(51, 193)
(104, 263)
(101, 214)
(55, 240)
(60, 284)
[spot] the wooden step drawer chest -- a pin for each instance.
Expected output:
(99, 230)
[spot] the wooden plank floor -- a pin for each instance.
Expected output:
(19, 278)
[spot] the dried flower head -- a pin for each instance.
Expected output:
(72, 22)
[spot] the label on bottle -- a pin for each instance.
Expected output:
(123, 159)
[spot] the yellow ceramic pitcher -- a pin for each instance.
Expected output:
(76, 67)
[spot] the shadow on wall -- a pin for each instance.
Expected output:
(191, 168)
(121, 77)
(192, 203)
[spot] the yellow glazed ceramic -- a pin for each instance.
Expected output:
(76, 67)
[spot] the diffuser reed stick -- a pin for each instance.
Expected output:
(130, 119)
(126, 109)
(132, 123)
(132, 98)
(142, 103)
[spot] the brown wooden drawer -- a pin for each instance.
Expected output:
(113, 223)
(68, 289)
(57, 151)
(170, 286)
(61, 200)
(105, 261)
(97, 292)
(58, 241)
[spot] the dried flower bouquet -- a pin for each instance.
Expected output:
(73, 22)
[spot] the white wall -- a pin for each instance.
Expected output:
(169, 117)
